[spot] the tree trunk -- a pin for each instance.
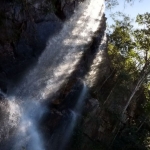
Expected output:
(133, 93)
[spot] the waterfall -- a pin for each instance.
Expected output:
(62, 53)
(67, 127)
(74, 115)
(92, 75)
(28, 134)
(57, 62)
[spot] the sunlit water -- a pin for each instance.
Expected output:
(92, 75)
(67, 128)
(28, 135)
(74, 115)
(57, 62)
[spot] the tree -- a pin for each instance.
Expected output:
(131, 48)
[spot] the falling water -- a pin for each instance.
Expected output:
(79, 103)
(62, 53)
(58, 61)
(28, 136)
(92, 75)
(74, 114)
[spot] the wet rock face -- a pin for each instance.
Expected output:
(26, 27)
(97, 123)
(32, 28)
(55, 122)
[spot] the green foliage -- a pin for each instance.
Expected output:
(112, 3)
(130, 47)
(144, 20)
(129, 52)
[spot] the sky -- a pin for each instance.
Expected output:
(132, 10)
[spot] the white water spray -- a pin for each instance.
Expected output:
(62, 53)
(58, 61)
(75, 113)
(28, 135)
(92, 75)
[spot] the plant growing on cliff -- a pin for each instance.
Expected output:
(130, 47)
(129, 52)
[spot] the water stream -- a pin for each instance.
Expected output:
(57, 62)
(74, 114)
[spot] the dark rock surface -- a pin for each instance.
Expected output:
(26, 27)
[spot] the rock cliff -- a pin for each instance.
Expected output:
(26, 27)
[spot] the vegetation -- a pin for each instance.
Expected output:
(129, 52)
(110, 4)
